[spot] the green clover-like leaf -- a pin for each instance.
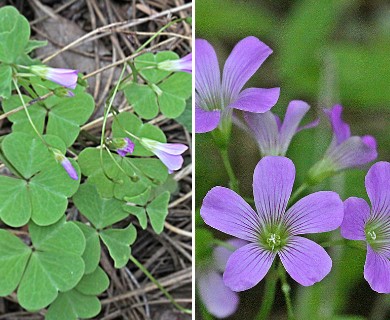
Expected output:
(140, 173)
(80, 302)
(14, 34)
(157, 211)
(169, 96)
(118, 242)
(149, 59)
(41, 192)
(185, 119)
(54, 264)
(64, 115)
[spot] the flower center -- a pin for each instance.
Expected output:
(377, 234)
(273, 238)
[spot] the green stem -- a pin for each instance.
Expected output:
(163, 290)
(297, 193)
(229, 170)
(269, 295)
(286, 291)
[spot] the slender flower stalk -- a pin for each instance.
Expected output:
(273, 136)
(184, 64)
(214, 99)
(272, 230)
(372, 226)
(64, 77)
(169, 153)
(345, 151)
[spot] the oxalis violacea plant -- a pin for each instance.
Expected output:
(47, 259)
(270, 229)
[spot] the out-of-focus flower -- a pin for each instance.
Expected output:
(214, 98)
(274, 137)
(184, 64)
(271, 230)
(64, 77)
(372, 226)
(169, 153)
(345, 151)
(218, 299)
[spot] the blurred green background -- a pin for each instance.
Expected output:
(325, 52)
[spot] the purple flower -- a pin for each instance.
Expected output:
(66, 164)
(184, 64)
(218, 299)
(274, 137)
(372, 226)
(168, 153)
(272, 230)
(123, 146)
(345, 151)
(213, 97)
(64, 77)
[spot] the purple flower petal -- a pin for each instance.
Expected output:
(341, 129)
(356, 214)
(218, 299)
(226, 211)
(67, 165)
(378, 189)
(354, 152)
(296, 110)
(64, 77)
(310, 125)
(377, 271)
(171, 148)
(265, 129)
(322, 211)
(221, 254)
(206, 121)
(246, 57)
(256, 100)
(273, 180)
(208, 76)
(305, 261)
(247, 266)
(172, 162)
(128, 148)
(185, 63)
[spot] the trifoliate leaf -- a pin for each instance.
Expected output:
(118, 242)
(54, 264)
(99, 211)
(139, 212)
(91, 255)
(42, 191)
(143, 99)
(185, 119)
(130, 122)
(146, 60)
(14, 34)
(138, 175)
(73, 305)
(157, 211)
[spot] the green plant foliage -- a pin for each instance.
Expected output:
(80, 302)
(42, 183)
(146, 60)
(140, 173)
(157, 211)
(54, 264)
(118, 242)
(185, 118)
(6, 81)
(169, 96)
(99, 211)
(64, 115)
(14, 34)
(131, 123)
(34, 44)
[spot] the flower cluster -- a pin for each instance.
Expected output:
(274, 231)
